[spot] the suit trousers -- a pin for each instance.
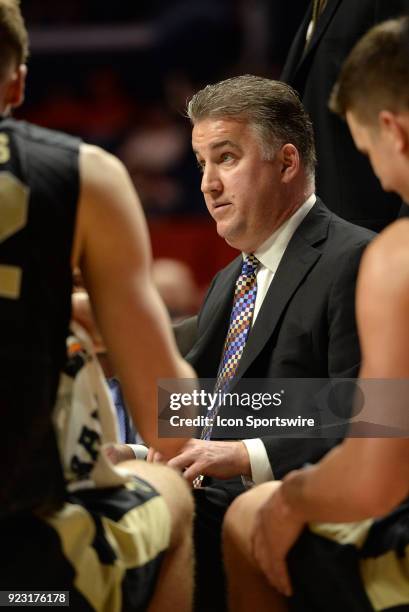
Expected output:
(211, 503)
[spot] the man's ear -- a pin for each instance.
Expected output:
(16, 87)
(290, 162)
(395, 129)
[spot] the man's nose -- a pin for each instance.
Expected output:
(211, 182)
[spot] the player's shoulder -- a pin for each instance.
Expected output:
(101, 172)
(93, 157)
(386, 260)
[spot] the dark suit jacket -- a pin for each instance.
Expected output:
(306, 325)
(344, 177)
(185, 333)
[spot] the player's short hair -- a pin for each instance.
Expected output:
(375, 76)
(13, 35)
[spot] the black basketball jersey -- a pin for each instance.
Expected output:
(39, 189)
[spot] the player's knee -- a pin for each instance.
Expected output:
(232, 539)
(232, 519)
(239, 517)
(179, 499)
(183, 500)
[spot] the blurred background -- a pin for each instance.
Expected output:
(118, 74)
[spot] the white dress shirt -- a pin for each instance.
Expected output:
(269, 256)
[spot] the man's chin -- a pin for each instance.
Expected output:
(227, 236)
(233, 237)
(236, 243)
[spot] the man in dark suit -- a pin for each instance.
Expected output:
(340, 531)
(344, 177)
(255, 146)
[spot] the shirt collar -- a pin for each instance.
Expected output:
(271, 251)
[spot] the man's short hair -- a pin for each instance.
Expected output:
(13, 35)
(272, 108)
(375, 76)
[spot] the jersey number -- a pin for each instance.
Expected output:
(13, 217)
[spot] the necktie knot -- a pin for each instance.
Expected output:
(250, 264)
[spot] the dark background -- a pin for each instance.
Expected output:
(119, 74)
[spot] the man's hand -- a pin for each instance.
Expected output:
(276, 529)
(217, 459)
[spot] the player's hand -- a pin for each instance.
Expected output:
(154, 456)
(82, 313)
(274, 533)
(119, 452)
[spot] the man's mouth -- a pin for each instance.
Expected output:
(218, 205)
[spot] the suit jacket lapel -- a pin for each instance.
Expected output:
(298, 259)
(297, 56)
(322, 25)
(296, 51)
(219, 305)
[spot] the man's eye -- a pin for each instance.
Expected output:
(227, 158)
(201, 166)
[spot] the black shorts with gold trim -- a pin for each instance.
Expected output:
(353, 567)
(105, 547)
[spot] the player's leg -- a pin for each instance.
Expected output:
(174, 587)
(248, 589)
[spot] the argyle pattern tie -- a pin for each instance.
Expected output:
(239, 327)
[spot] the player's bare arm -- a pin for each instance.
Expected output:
(112, 249)
(382, 312)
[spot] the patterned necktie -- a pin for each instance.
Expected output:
(239, 327)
